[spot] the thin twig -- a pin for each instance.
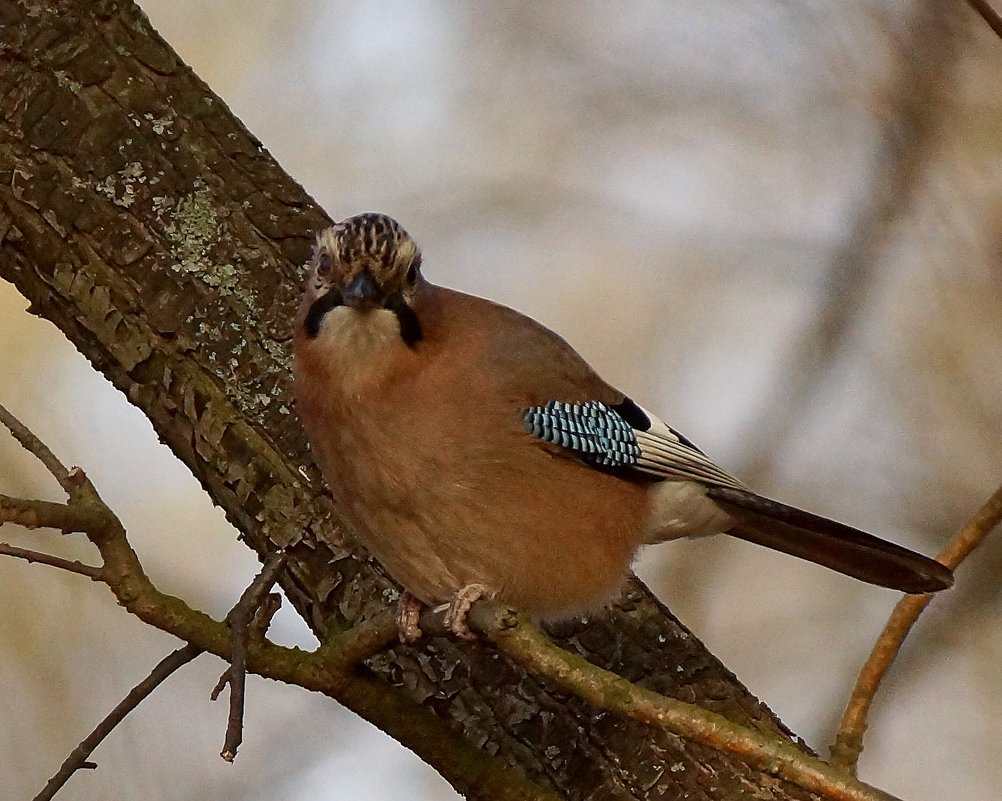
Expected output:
(78, 757)
(270, 604)
(532, 649)
(39, 449)
(244, 610)
(988, 14)
(239, 619)
(90, 571)
(849, 739)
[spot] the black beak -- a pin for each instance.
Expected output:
(363, 292)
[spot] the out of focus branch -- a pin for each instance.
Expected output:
(849, 740)
(988, 14)
(915, 102)
(77, 760)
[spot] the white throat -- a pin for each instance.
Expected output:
(360, 344)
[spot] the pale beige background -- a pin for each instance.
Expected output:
(666, 184)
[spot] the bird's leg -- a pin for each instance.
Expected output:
(408, 612)
(459, 608)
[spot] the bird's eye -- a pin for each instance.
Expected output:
(412, 273)
(324, 264)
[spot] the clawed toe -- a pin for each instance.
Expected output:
(459, 608)
(410, 607)
(408, 614)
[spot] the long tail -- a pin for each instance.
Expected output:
(825, 542)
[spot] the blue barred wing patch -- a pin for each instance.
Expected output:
(597, 433)
(624, 437)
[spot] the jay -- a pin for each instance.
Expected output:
(474, 453)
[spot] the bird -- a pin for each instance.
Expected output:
(475, 454)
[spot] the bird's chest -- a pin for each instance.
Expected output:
(377, 420)
(383, 456)
(402, 467)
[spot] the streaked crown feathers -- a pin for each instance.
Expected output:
(370, 241)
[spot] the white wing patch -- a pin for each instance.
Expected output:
(602, 436)
(663, 452)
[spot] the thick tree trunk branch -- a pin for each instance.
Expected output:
(138, 215)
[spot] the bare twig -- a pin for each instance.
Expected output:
(38, 449)
(270, 604)
(988, 14)
(532, 649)
(242, 614)
(239, 619)
(78, 757)
(849, 739)
(89, 571)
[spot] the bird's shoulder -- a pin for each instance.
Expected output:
(509, 363)
(525, 361)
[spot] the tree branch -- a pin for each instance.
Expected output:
(988, 14)
(91, 572)
(66, 517)
(526, 644)
(78, 757)
(531, 648)
(37, 448)
(915, 102)
(239, 620)
(849, 740)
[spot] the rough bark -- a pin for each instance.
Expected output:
(142, 218)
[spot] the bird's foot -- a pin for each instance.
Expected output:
(408, 613)
(459, 608)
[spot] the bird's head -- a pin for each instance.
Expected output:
(369, 264)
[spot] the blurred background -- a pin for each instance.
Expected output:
(765, 221)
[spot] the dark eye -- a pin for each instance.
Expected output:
(324, 264)
(412, 272)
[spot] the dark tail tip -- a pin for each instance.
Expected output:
(834, 545)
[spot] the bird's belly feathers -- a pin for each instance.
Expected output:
(440, 511)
